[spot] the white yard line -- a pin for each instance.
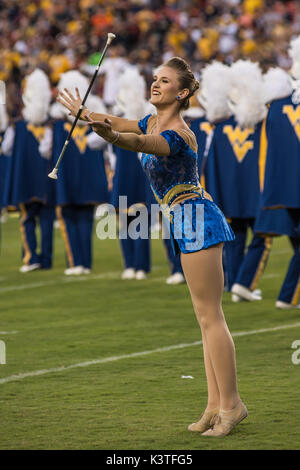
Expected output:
(270, 276)
(8, 332)
(106, 360)
(60, 280)
(282, 252)
(116, 275)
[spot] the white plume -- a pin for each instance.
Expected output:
(95, 103)
(215, 82)
(3, 118)
(246, 94)
(277, 84)
(193, 112)
(130, 101)
(294, 53)
(36, 97)
(71, 80)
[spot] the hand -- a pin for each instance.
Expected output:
(70, 102)
(104, 129)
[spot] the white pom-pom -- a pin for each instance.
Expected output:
(130, 100)
(215, 82)
(246, 94)
(294, 53)
(3, 118)
(36, 97)
(277, 84)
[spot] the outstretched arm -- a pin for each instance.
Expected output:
(73, 103)
(151, 144)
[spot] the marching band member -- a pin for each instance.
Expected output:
(27, 186)
(280, 179)
(232, 166)
(247, 102)
(215, 82)
(268, 223)
(82, 182)
(129, 179)
(3, 158)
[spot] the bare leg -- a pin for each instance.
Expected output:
(204, 275)
(213, 394)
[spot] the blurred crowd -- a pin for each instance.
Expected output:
(59, 35)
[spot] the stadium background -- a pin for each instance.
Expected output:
(60, 35)
(53, 323)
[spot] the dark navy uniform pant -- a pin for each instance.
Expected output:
(34, 213)
(243, 267)
(136, 253)
(76, 224)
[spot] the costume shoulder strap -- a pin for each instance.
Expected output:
(151, 124)
(189, 137)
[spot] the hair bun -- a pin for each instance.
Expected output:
(196, 86)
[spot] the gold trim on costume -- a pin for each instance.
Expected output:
(170, 196)
(176, 190)
(79, 136)
(262, 160)
(27, 251)
(65, 236)
(202, 181)
(38, 131)
(296, 295)
(262, 263)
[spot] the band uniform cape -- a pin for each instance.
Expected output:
(129, 179)
(175, 175)
(231, 171)
(280, 161)
(269, 221)
(27, 169)
(203, 131)
(4, 161)
(81, 179)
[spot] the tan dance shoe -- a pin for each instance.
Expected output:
(227, 420)
(206, 421)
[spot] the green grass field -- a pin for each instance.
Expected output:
(50, 322)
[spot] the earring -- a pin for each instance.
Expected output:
(178, 97)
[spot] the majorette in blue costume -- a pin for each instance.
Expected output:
(203, 130)
(129, 179)
(82, 182)
(196, 223)
(27, 185)
(3, 158)
(280, 173)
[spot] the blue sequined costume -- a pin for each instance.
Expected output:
(175, 175)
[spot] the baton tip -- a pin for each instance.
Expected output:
(110, 37)
(53, 174)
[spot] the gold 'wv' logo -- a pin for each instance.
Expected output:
(294, 117)
(238, 139)
(206, 127)
(37, 131)
(79, 136)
